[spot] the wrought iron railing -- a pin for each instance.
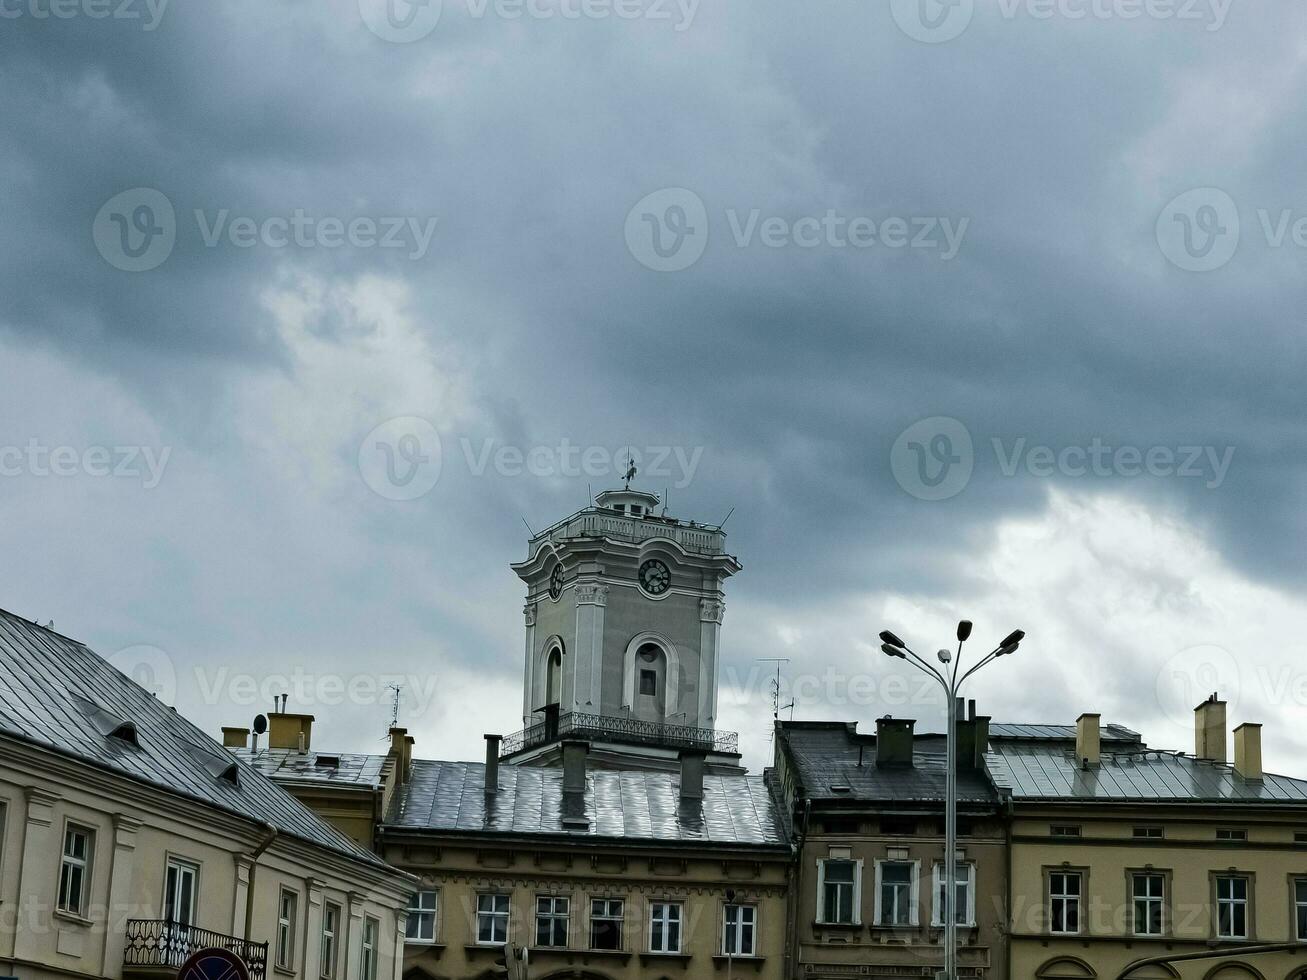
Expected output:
(156, 942)
(630, 731)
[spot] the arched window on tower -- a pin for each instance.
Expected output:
(651, 684)
(554, 677)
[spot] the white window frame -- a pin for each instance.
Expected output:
(181, 867)
(419, 912)
(69, 867)
(329, 943)
(284, 947)
(1245, 902)
(745, 918)
(608, 916)
(1299, 907)
(822, 917)
(660, 913)
(914, 894)
(368, 948)
(1146, 901)
(937, 899)
(553, 916)
(1078, 899)
(494, 916)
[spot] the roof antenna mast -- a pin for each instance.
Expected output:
(395, 691)
(775, 685)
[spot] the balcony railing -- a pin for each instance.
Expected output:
(157, 943)
(628, 731)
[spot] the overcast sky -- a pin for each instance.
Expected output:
(990, 309)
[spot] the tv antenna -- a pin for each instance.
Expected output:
(395, 692)
(630, 468)
(775, 685)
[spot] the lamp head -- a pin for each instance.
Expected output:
(964, 630)
(1010, 648)
(1013, 638)
(887, 637)
(945, 655)
(890, 651)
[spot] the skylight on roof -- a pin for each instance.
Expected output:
(105, 721)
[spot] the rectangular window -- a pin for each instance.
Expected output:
(894, 827)
(551, 920)
(739, 924)
(75, 870)
(1064, 902)
(1064, 830)
(964, 908)
(492, 920)
(894, 905)
(1148, 892)
(368, 949)
(664, 927)
(286, 903)
(330, 930)
(649, 682)
(606, 916)
(838, 892)
(180, 893)
(1300, 907)
(1232, 907)
(1230, 834)
(421, 922)
(1149, 833)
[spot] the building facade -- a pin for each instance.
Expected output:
(867, 815)
(1121, 854)
(129, 839)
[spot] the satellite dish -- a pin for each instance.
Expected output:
(260, 724)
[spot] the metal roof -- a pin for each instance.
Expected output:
(631, 806)
(1047, 771)
(352, 771)
(827, 755)
(1108, 733)
(59, 694)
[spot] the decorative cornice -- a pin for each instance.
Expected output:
(712, 611)
(529, 611)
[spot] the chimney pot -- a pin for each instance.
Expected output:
(1209, 730)
(1248, 752)
(492, 764)
(692, 766)
(397, 751)
(290, 731)
(894, 741)
(1089, 741)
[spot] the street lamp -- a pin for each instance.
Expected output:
(948, 679)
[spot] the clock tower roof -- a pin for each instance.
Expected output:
(622, 501)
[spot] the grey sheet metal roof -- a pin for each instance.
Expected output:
(58, 694)
(354, 770)
(1109, 733)
(631, 806)
(826, 755)
(1049, 771)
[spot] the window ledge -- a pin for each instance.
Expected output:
(721, 959)
(421, 947)
(572, 951)
(285, 971)
(74, 918)
(649, 958)
(837, 925)
(486, 947)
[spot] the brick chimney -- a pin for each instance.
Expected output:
(235, 738)
(894, 741)
(399, 751)
(692, 765)
(1089, 740)
(290, 731)
(492, 764)
(1209, 730)
(1248, 752)
(574, 753)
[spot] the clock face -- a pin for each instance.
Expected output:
(655, 578)
(556, 582)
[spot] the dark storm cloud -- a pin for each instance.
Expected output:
(1058, 322)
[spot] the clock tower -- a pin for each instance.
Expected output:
(623, 614)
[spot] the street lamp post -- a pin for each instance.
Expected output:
(948, 680)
